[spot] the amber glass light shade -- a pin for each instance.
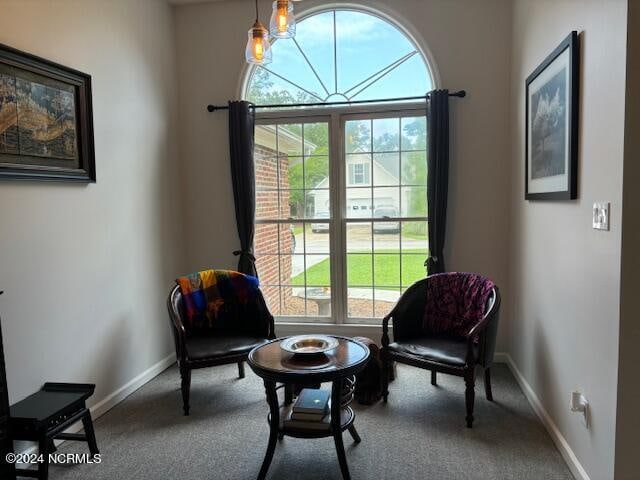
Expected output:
(283, 20)
(258, 49)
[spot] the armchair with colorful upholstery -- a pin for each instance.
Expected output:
(217, 317)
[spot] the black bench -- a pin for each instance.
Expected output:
(43, 417)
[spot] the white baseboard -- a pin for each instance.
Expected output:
(561, 443)
(500, 357)
(103, 406)
(107, 403)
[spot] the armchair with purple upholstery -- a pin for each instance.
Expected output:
(445, 323)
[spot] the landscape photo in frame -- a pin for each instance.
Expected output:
(46, 129)
(552, 125)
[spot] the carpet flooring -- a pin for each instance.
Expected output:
(419, 434)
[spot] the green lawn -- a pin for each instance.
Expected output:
(386, 264)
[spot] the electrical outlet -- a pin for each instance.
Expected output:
(601, 215)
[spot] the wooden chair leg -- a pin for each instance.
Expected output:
(392, 371)
(385, 375)
(186, 387)
(469, 380)
(43, 467)
(354, 434)
(487, 384)
(433, 378)
(87, 422)
(241, 369)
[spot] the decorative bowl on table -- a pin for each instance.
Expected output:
(309, 344)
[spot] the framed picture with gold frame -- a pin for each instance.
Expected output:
(46, 120)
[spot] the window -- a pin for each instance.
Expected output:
(341, 220)
(386, 232)
(359, 174)
(341, 55)
(293, 217)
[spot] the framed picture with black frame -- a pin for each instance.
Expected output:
(46, 120)
(551, 138)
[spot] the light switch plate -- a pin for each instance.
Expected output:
(601, 215)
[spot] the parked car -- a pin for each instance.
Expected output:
(386, 227)
(321, 227)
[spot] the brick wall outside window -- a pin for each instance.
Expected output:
(266, 243)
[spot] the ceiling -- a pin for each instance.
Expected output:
(185, 2)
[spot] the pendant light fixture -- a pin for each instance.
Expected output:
(283, 20)
(258, 49)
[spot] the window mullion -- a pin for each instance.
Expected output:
(338, 232)
(279, 214)
(373, 224)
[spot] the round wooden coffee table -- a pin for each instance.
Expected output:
(338, 366)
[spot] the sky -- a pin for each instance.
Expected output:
(365, 45)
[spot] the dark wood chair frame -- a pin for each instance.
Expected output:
(186, 364)
(407, 322)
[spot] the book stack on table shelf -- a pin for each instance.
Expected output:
(310, 410)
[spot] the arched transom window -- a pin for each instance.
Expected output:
(341, 55)
(341, 194)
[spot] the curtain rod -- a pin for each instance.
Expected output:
(215, 108)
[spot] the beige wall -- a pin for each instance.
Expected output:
(565, 276)
(628, 413)
(86, 268)
(469, 42)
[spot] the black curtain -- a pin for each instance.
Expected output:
(437, 176)
(241, 133)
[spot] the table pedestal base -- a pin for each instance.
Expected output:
(342, 418)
